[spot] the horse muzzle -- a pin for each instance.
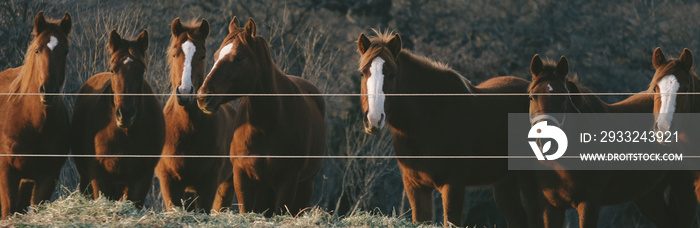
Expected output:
(48, 99)
(184, 99)
(125, 117)
(373, 127)
(208, 104)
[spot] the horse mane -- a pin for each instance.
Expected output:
(668, 67)
(190, 26)
(379, 49)
(587, 103)
(24, 79)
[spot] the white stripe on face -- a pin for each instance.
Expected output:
(186, 86)
(128, 60)
(226, 50)
(668, 86)
(375, 84)
(550, 87)
(52, 43)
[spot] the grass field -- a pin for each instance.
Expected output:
(608, 43)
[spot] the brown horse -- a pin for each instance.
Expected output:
(115, 123)
(674, 76)
(586, 191)
(191, 132)
(438, 125)
(266, 125)
(34, 124)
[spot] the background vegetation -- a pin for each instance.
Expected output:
(608, 43)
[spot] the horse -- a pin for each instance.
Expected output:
(115, 123)
(191, 132)
(588, 190)
(440, 126)
(677, 76)
(266, 125)
(31, 124)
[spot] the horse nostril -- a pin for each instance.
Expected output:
(381, 119)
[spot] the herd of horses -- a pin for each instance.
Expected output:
(121, 136)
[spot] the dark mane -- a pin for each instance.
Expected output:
(586, 103)
(667, 69)
(175, 42)
(379, 49)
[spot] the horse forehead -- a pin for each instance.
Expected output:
(226, 50)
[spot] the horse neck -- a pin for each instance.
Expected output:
(638, 103)
(263, 111)
(417, 76)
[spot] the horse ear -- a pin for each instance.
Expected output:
(536, 66)
(66, 23)
(39, 23)
(250, 27)
(658, 59)
(114, 40)
(686, 58)
(142, 40)
(233, 25)
(204, 28)
(177, 28)
(562, 67)
(363, 43)
(394, 45)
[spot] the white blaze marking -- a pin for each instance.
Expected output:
(52, 43)
(668, 86)
(128, 60)
(186, 87)
(550, 87)
(375, 83)
(222, 53)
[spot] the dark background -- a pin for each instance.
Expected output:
(608, 44)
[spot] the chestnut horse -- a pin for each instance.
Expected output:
(439, 125)
(115, 123)
(588, 190)
(671, 77)
(191, 132)
(266, 125)
(31, 124)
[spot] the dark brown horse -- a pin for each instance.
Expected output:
(191, 132)
(31, 124)
(116, 123)
(588, 190)
(440, 125)
(266, 125)
(677, 76)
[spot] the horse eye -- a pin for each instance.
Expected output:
(36, 51)
(238, 59)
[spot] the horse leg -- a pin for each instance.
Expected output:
(246, 190)
(683, 199)
(452, 203)
(532, 199)
(553, 216)
(43, 189)
(506, 193)
(305, 189)
(224, 195)
(421, 200)
(25, 192)
(206, 192)
(588, 213)
(138, 189)
(172, 192)
(9, 184)
(653, 206)
(286, 193)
